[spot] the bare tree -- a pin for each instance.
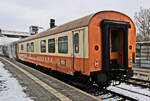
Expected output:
(142, 19)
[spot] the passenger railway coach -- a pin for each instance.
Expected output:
(100, 46)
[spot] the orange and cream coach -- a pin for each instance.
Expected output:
(100, 47)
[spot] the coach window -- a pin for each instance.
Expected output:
(43, 46)
(21, 47)
(63, 44)
(76, 42)
(32, 47)
(51, 45)
(28, 47)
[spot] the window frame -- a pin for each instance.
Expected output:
(52, 44)
(76, 42)
(22, 47)
(28, 49)
(41, 47)
(63, 41)
(32, 47)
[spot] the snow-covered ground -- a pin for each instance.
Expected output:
(139, 97)
(10, 89)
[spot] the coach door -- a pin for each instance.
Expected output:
(116, 47)
(115, 44)
(77, 52)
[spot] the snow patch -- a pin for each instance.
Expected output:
(132, 88)
(10, 89)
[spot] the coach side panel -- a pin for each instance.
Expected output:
(56, 57)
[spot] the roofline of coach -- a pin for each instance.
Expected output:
(110, 11)
(88, 19)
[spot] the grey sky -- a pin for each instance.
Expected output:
(20, 14)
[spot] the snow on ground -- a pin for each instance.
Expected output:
(132, 88)
(145, 91)
(109, 97)
(10, 89)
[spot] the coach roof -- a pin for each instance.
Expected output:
(82, 22)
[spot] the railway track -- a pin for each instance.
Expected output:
(134, 92)
(139, 82)
(93, 90)
(109, 95)
(142, 73)
(122, 96)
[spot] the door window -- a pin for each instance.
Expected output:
(114, 40)
(76, 42)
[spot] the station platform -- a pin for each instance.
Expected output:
(42, 87)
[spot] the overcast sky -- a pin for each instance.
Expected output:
(20, 14)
